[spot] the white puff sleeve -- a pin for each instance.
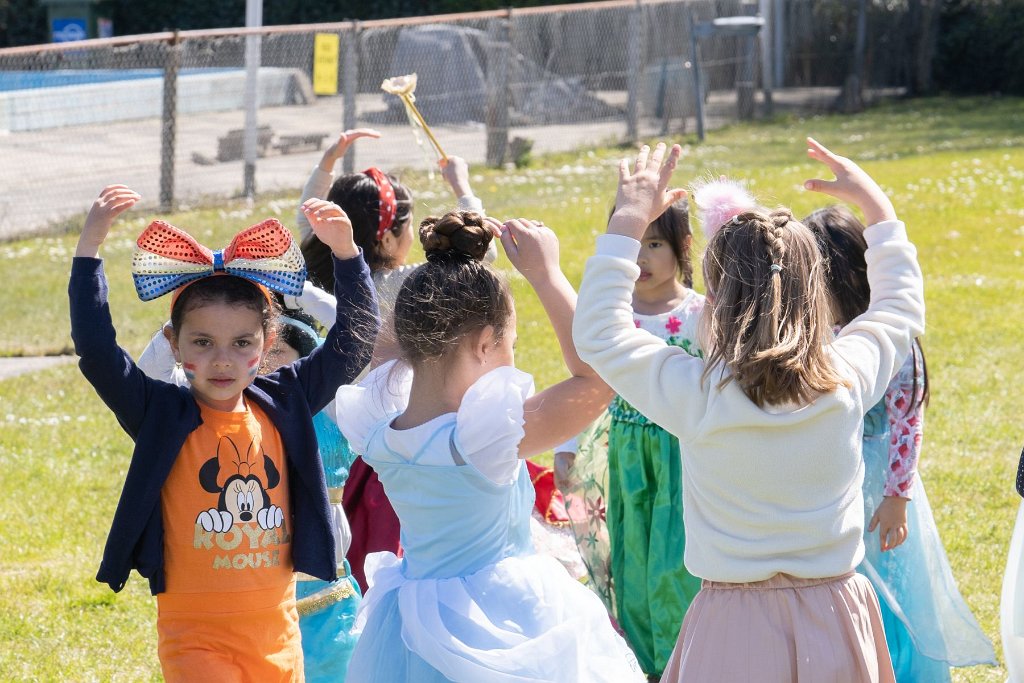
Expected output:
(360, 407)
(489, 422)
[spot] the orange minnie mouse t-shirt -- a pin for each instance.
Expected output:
(225, 507)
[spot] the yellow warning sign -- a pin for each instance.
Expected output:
(325, 64)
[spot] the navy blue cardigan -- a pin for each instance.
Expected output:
(159, 417)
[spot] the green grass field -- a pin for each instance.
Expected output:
(955, 169)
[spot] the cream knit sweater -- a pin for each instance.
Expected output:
(766, 490)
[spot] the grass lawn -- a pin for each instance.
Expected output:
(955, 169)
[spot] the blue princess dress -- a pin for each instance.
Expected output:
(327, 611)
(928, 626)
(469, 601)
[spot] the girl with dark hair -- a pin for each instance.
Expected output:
(928, 626)
(231, 456)
(769, 423)
(447, 428)
(380, 209)
(638, 467)
(327, 609)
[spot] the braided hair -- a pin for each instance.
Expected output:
(768, 317)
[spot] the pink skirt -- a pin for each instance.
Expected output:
(783, 630)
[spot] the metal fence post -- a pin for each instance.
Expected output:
(253, 43)
(745, 77)
(634, 72)
(767, 36)
(779, 43)
(349, 91)
(698, 78)
(497, 118)
(169, 122)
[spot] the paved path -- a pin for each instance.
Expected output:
(47, 176)
(12, 367)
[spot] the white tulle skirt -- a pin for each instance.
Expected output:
(523, 619)
(1011, 608)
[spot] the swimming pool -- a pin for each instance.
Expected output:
(33, 100)
(32, 80)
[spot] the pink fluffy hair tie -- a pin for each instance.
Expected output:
(718, 201)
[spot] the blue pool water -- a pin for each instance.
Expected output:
(30, 80)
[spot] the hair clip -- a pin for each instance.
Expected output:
(775, 268)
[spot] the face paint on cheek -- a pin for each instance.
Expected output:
(254, 366)
(190, 371)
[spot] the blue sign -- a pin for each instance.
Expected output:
(68, 30)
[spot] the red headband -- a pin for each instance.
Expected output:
(388, 207)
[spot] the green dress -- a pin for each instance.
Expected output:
(630, 481)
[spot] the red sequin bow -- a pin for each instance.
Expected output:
(166, 258)
(388, 205)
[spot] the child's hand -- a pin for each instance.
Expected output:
(112, 202)
(851, 185)
(337, 149)
(331, 226)
(643, 192)
(532, 247)
(891, 520)
(455, 171)
(564, 462)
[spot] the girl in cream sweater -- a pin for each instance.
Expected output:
(769, 423)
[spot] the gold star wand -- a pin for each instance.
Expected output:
(404, 88)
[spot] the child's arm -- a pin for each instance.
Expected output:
(455, 171)
(323, 174)
(876, 342)
(108, 367)
(663, 382)
(315, 301)
(905, 412)
(564, 461)
(565, 409)
(112, 202)
(349, 343)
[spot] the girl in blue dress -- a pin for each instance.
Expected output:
(928, 626)
(446, 428)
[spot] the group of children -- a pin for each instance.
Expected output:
(356, 507)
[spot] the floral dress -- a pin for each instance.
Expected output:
(627, 507)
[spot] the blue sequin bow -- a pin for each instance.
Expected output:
(166, 258)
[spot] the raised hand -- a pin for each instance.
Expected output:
(337, 149)
(643, 193)
(532, 247)
(112, 202)
(852, 185)
(332, 226)
(455, 171)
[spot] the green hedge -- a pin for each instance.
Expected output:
(981, 47)
(23, 22)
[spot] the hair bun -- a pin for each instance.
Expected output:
(457, 235)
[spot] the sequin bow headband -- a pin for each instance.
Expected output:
(166, 258)
(388, 205)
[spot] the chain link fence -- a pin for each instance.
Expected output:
(165, 113)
